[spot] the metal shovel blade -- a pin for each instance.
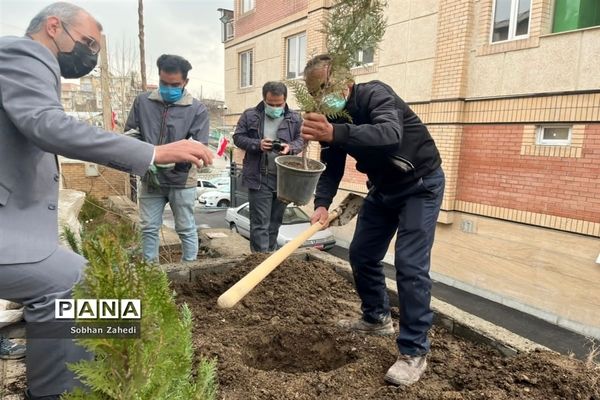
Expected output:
(347, 209)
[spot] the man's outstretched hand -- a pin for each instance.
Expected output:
(183, 151)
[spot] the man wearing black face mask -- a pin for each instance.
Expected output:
(34, 271)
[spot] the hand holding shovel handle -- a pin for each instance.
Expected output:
(347, 209)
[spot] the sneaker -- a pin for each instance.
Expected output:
(10, 350)
(383, 328)
(406, 370)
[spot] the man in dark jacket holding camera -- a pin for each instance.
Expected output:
(406, 184)
(266, 131)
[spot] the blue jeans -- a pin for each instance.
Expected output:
(152, 204)
(266, 215)
(411, 211)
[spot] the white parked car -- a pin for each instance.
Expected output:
(295, 221)
(204, 186)
(222, 181)
(216, 198)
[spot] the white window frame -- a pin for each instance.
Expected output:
(249, 77)
(360, 59)
(540, 141)
(512, 23)
(299, 67)
(228, 31)
(251, 4)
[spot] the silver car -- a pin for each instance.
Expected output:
(295, 221)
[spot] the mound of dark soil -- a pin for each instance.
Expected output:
(281, 342)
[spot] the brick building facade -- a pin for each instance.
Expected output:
(512, 99)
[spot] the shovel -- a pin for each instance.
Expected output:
(347, 209)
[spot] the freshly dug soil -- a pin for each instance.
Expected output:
(168, 255)
(281, 342)
(296, 163)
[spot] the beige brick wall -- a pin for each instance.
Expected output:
(455, 24)
(430, 56)
(110, 182)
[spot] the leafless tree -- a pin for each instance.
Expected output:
(142, 43)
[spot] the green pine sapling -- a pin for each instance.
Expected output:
(350, 27)
(159, 364)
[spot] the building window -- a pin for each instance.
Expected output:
(575, 14)
(246, 69)
(247, 5)
(228, 31)
(296, 56)
(553, 135)
(511, 20)
(364, 57)
(226, 24)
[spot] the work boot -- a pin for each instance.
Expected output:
(383, 328)
(406, 370)
(10, 350)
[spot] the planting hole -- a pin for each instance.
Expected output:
(298, 352)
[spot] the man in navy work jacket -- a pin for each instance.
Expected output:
(266, 131)
(406, 183)
(62, 39)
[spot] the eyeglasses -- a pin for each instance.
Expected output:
(90, 42)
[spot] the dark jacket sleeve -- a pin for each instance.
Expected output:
(241, 138)
(384, 133)
(334, 158)
(297, 143)
(199, 130)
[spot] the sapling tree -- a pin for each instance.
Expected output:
(159, 364)
(351, 27)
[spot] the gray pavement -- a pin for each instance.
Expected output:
(552, 336)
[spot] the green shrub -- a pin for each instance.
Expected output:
(159, 365)
(92, 209)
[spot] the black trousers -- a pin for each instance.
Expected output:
(410, 211)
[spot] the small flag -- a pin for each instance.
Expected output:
(222, 146)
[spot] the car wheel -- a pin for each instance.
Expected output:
(233, 227)
(223, 203)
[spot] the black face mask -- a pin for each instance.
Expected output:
(78, 62)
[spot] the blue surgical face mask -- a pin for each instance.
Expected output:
(334, 102)
(170, 94)
(273, 112)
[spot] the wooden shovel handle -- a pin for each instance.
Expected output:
(237, 292)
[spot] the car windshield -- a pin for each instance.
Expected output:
(294, 215)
